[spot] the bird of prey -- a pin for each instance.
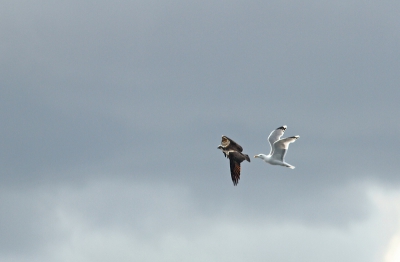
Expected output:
(279, 148)
(233, 151)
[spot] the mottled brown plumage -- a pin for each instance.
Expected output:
(233, 151)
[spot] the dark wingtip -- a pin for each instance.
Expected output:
(282, 128)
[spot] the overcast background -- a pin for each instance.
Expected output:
(112, 111)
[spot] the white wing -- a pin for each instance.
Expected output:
(281, 146)
(275, 136)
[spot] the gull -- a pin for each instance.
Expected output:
(233, 151)
(279, 148)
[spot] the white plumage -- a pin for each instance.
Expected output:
(279, 148)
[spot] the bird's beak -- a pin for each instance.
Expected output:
(255, 156)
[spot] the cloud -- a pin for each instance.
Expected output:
(106, 219)
(387, 203)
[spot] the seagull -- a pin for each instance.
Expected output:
(233, 151)
(279, 148)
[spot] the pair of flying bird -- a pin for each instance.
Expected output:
(233, 151)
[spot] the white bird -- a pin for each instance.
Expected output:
(278, 148)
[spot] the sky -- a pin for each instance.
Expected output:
(112, 112)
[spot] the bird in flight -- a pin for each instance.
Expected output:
(279, 148)
(233, 151)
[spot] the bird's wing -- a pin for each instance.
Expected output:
(275, 136)
(235, 171)
(229, 144)
(235, 159)
(281, 147)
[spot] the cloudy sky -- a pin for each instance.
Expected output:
(112, 112)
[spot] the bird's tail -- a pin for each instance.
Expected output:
(247, 157)
(289, 166)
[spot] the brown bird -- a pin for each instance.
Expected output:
(233, 151)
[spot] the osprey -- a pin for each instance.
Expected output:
(279, 148)
(233, 151)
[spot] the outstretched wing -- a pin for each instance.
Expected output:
(275, 136)
(235, 171)
(229, 144)
(281, 146)
(235, 159)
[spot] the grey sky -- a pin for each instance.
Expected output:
(112, 112)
